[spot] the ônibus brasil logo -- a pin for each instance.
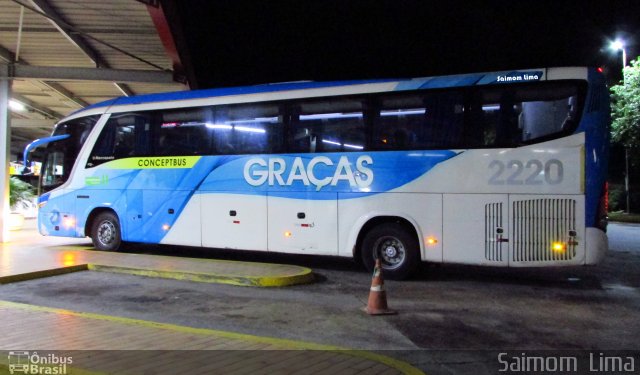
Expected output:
(22, 362)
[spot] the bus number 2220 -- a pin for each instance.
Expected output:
(532, 172)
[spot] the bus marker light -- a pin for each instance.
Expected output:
(288, 234)
(559, 247)
(166, 227)
(432, 241)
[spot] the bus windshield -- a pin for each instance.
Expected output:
(61, 155)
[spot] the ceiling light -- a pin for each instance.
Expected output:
(16, 106)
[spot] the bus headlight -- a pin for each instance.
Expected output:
(69, 222)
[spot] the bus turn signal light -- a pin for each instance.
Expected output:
(432, 241)
(559, 247)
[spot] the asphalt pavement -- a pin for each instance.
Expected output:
(452, 319)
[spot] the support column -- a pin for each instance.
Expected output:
(5, 149)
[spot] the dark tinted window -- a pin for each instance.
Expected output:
(419, 121)
(247, 129)
(124, 135)
(472, 117)
(328, 125)
(183, 132)
(513, 115)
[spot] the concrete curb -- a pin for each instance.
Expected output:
(304, 276)
(41, 274)
(300, 275)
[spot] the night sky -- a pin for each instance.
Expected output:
(242, 42)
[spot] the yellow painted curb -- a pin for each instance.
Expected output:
(401, 366)
(40, 274)
(305, 276)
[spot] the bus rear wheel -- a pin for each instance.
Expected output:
(396, 247)
(105, 232)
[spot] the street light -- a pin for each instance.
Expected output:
(618, 45)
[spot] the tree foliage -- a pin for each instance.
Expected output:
(625, 108)
(20, 192)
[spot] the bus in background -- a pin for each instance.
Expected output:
(496, 169)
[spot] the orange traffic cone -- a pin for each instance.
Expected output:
(377, 304)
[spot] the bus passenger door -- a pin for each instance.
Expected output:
(304, 223)
(475, 229)
(234, 221)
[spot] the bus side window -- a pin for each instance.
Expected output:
(328, 125)
(443, 120)
(125, 141)
(475, 132)
(123, 136)
(247, 129)
(494, 119)
(513, 115)
(429, 120)
(182, 132)
(542, 118)
(302, 140)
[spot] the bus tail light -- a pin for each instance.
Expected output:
(603, 208)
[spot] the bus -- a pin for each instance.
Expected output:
(498, 169)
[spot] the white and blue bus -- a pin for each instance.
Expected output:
(497, 169)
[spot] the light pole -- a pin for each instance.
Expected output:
(618, 45)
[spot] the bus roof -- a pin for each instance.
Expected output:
(227, 91)
(513, 76)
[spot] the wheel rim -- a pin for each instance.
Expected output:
(391, 251)
(106, 232)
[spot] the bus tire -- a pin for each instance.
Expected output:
(397, 248)
(105, 232)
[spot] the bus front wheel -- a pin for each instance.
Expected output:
(105, 232)
(397, 248)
